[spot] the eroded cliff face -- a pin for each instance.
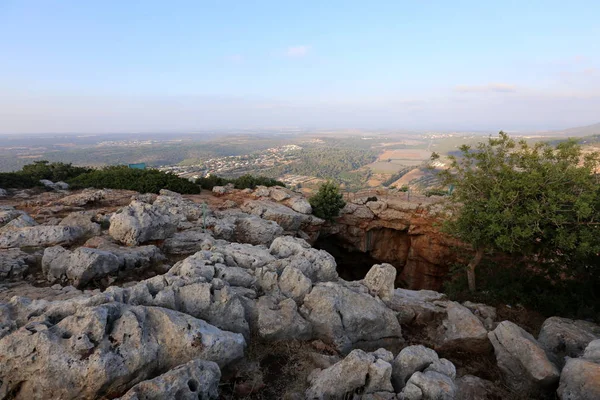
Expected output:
(404, 234)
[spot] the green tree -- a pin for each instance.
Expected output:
(538, 201)
(328, 201)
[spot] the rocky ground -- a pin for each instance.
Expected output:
(113, 294)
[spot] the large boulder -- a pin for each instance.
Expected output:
(15, 264)
(522, 359)
(418, 307)
(317, 265)
(410, 360)
(562, 337)
(429, 385)
(580, 380)
(380, 281)
(39, 236)
(294, 284)
(140, 222)
(102, 351)
(254, 230)
(196, 379)
(78, 267)
(83, 220)
(289, 219)
(469, 387)
(281, 321)
(188, 242)
(345, 318)
(343, 377)
(462, 330)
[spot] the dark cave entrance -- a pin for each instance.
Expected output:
(352, 264)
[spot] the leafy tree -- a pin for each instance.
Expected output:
(56, 171)
(328, 201)
(539, 201)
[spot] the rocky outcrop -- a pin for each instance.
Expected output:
(84, 221)
(104, 350)
(15, 264)
(85, 264)
(462, 330)
(39, 236)
(522, 359)
(197, 379)
(580, 377)
(563, 337)
(141, 222)
(346, 318)
(400, 233)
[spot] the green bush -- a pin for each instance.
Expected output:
(436, 192)
(243, 182)
(143, 181)
(328, 201)
(31, 174)
(515, 283)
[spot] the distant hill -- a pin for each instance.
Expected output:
(580, 131)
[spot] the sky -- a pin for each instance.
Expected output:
(146, 66)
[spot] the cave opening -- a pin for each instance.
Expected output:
(352, 264)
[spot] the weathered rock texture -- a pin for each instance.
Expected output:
(400, 233)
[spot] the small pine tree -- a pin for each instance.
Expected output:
(328, 201)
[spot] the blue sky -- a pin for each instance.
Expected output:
(117, 66)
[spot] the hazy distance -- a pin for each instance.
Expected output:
(156, 66)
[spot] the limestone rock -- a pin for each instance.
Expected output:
(521, 359)
(379, 377)
(461, 330)
(485, 313)
(83, 220)
(39, 236)
(317, 265)
(579, 380)
(592, 351)
(341, 378)
(188, 242)
(22, 221)
(410, 360)
(78, 267)
(279, 194)
(562, 337)
(196, 379)
(255, 230)
(87, 196)
(244, 255)
(428, 385)
(102, 350)
(140, 222)
(300, 205)
(294, 284)
(219, 190)
(281, 321)
(289, 219)
(3, 193)
(418, 307)
(380, 281)
(8, 213)
(343, 317)
(15, 263)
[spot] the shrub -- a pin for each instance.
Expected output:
(143, 181)
(31, 174)
(328, 201)
(243, 182)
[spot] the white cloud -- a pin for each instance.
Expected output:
(488, 88)
(298, 51)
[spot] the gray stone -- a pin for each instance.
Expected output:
(281, 321)
(379, 377)
(82, 220)
(78, 267)
(522, 359)
(469, 387)
(462, 330)
(39, 236)
(342, 317)
(562, 337)
(428, 385)
(294, 284)
(140, 222)
(380, 281)
(341, 378)
(410, 360)
(98, 351)
(196, 379)
(14, 264)
(592, 351)
(188, 242)
(579, 380)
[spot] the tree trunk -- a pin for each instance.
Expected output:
(471, 268)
